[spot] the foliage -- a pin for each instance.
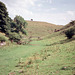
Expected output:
(70, 33)
(8, 26)
(14, 36)
(4, 19)
(21, 24)
(23, 31)
(14, 27)
(2, 38)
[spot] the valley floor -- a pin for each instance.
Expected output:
(51, 56)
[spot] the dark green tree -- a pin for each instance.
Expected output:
(21, 24)
(4, 19)
(14, 36)
(11, 28)
(70, 33)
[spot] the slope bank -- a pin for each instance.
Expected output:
(38, 29)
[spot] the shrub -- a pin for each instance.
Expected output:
(15, 37)
(70, 33)
(23, 31)
(2, 38)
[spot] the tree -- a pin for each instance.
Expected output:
(9, 27)
(13, 26)
(70, 33)
(14, 36)
(21, 24)
(4, 19)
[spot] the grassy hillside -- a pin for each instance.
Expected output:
(38, 29)
(55, 55)
(68, 26)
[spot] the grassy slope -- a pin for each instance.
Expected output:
(36, 28)
(68, 26)
(62, 54)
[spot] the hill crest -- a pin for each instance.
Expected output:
(38, 28)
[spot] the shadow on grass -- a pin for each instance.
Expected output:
(62, 41)
(67, 40)
(68, 68)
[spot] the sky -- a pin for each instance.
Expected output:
(59, 12)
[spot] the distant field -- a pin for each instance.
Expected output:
(54, 55)
(38, 29)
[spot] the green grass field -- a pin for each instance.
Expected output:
(54, 55)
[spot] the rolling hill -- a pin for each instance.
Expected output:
(54, 55)
(68, 26)
(38, 29)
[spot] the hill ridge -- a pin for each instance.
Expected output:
(38, 28)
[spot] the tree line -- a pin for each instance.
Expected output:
(12, 28)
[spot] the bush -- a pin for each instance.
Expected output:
(2, 38)
(70, 33)
(23, 31)
(14, 36)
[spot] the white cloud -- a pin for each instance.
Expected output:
(53, 8)
(17, 7)
(23, 8)
(72, 13)
(49, 1)
(39, 5)
(56, 18)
